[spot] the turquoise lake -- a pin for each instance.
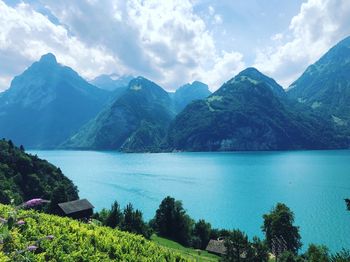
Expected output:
(229, 190)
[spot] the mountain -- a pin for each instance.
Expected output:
(136, 121)
(325, 85)
(112, 82)
(46, 104)
(25, 176)
(247, 113)
(188, 93)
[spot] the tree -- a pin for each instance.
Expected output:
(171, 221)
(102, 215)
(58, 195)
(202, 231)
(317, 253)
(133, 222)
(238, 247)
(279, 225)
(289, 256)
(115, 216)
(261, 251)
(347, 201)
(342, 256)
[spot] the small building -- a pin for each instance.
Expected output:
(78, 209)
(216, 247)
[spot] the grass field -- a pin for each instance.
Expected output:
(198, 255)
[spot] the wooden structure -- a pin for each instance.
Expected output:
(78, 209)
(216, 247)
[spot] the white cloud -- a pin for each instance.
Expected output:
(162, 40)
(277, 37)
(211, 10)
(217, 19)
(319, 25)
(226, 66)
(25, 35)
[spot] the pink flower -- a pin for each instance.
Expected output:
(32, 248)
(35, 202)
(20, 222)
(50, 237)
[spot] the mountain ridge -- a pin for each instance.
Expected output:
(46, 103)
(245, 114)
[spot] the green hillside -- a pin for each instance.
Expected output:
(24, 176)
(248, 112)
(75, 241)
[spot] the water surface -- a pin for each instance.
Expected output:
(230, 190)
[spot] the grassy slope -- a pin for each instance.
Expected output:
(190, 253)
(75, 241)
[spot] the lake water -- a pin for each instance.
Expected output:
(230, 190)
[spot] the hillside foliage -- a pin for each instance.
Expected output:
(24, 176)
(76, 241)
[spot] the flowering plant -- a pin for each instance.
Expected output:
(14, 221)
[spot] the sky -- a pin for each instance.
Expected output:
(171, 42)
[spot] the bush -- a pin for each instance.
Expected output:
(76, 241)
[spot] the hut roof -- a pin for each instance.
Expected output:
(216, 246)
(75, 206)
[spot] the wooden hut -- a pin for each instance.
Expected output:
(78, 209)
(216, 247)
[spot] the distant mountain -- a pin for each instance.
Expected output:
(247, 113)
(136, 121)
(46, 104)
(325, 85)
(188, 93)
(111, 82)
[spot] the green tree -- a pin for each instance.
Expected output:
(202, 231)
(289, 256)
(342, 256)
(58, 195)
(133, 222)
(171, 221)
(260, 249)
(279, 223)
(115, 216)
(347, 201)
(238, 247)
(317, 253)
(102, 215)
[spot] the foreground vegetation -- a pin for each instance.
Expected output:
(196, 254)
(24, 176)
(174, 229)
(75, 241)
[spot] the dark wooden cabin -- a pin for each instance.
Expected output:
(216, 247)
(78, 209)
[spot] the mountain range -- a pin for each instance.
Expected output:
(47, 103)
(189, 92)
(135, 121)
(247, 113)
(51, 106)
(325, 86)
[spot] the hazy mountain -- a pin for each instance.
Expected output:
(46, 104)
(136, 121)
(325, 85)
(111, 82)
(188, 93)
(247, 113)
